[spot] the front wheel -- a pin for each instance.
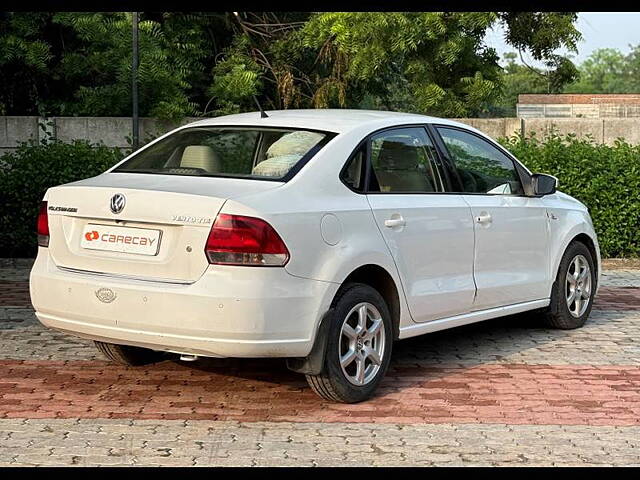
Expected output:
(358, 347)
(573, 290)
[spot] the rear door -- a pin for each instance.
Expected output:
(428, 231)
(511, 229)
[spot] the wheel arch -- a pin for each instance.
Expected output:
(590, 241)
(591, 246)
(376, 277)
(380, 279)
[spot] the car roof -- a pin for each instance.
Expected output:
(332, 120)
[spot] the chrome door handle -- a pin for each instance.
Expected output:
(483, 218)
(395, 222)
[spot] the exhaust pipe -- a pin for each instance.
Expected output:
(188, 357)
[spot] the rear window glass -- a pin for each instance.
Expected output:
(235, 152)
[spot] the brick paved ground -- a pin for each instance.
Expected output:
(502, 392)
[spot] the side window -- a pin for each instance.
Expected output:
(482, 167)
(403, 160)
(353, 174)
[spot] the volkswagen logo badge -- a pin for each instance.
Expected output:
(105, 295)
(117, 203)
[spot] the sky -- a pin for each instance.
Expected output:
(599, 30)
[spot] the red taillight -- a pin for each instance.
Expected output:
(239, 240)
(43, 225)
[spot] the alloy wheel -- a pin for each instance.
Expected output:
(362, 344)
(578, 286)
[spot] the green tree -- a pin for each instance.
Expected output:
(66, 63)
(101, 67)
(205, 63)
(518, 78)
(429, 62)
(24, 60)
(607, 70)
(267, 57)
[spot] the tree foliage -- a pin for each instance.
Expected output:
(29, 171)
(607, 70)
(208, 63)
(65, 63)
(518, 78)
(430, 62)
(24, 61)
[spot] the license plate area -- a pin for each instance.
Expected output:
(112, 238)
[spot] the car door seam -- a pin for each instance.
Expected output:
(473, 264)
(386, 244)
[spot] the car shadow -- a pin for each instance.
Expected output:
(489, 341)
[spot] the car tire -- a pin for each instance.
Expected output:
(563, 312)
(366, 348)
(128, 355)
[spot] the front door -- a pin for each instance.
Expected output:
(511, 229)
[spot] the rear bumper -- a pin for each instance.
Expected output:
(228, 312)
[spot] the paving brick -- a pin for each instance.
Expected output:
(530, 445)
(502, 392)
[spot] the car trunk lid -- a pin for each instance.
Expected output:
(159, 234)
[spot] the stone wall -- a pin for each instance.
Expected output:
(112, 131)
(116, 131)
(602, 130)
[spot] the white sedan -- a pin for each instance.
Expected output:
(319, 236)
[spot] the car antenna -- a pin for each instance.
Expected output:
(262, 114)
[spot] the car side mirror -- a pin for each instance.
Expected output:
(544, 184)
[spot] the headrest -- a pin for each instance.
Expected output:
(294, 143)
(201, 156)
(397, 156)
(276, 166)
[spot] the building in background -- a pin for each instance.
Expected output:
(578, 105)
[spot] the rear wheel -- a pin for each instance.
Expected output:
(128, 355)
(573, 290)
(358, 347)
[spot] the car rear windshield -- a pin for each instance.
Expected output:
(260, 153)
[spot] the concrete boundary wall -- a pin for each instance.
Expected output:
(116, 131)
(112, 131)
